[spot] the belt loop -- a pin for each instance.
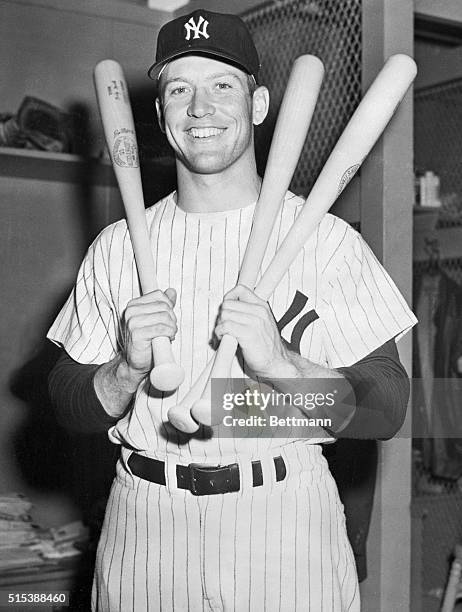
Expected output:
(246, 474)
(269, 472)
(170, 476)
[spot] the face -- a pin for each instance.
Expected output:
(208, 113)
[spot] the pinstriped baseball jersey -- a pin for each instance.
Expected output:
(349, 307)
(281, 547)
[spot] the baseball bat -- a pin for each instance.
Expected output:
(290, 132)
(119, 130)
(361, 133)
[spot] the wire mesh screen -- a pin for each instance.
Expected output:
(330, 29)
(438, 146)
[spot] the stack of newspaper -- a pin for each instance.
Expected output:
(25, 545)
(17, 533)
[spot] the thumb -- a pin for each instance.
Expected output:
(171, 294)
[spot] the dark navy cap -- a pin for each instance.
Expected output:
(219, 35)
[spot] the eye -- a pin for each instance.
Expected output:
(223, 85)
(177, 91)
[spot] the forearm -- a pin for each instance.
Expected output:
(115, 383)
(372, 394)
(89, 398)
(298, 375)
(73, 396)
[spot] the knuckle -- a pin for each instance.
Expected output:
(136, 334)
(164, 330)
(164, 317)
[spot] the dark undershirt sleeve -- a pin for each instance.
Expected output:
(381, 386)
(73, 395)
(379, 381)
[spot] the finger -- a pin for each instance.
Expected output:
(240, 292)
(144, 320)
(146, 310)
(261, 311)
(233, 328)
(146, 333)
(153, 296)
(171, 294)
(243, 317)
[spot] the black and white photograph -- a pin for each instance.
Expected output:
(231, 331)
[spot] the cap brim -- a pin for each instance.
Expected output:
(155, 69)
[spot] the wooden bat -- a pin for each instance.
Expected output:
(361, 133)
(119, 130)
(290, 132)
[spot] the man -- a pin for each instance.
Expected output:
(258, 524)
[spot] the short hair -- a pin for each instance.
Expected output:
(252, 84)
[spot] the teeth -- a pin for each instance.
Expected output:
(205, 132)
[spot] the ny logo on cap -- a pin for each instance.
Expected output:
(199, 29)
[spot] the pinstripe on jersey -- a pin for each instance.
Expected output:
(199, 254)
(277, 548)
(282, 546)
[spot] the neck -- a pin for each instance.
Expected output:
(236, 187)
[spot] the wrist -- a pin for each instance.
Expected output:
(127, 378)
(282, 367)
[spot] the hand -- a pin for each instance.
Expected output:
(146, 318)
(249, 319)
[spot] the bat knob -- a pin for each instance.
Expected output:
(167, 376)
(202, 413)
(180, 417)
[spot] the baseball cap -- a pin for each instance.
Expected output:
(202, 32)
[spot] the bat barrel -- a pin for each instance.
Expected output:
(290, 132)
(119, 130)
(360, 135)
(362, 132)
(180, 415)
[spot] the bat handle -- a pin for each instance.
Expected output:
(201, 410)
(166, 374)
(180, 415)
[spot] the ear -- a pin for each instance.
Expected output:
(160, 115)
(260, 104)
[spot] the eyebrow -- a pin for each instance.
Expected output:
(215, 75)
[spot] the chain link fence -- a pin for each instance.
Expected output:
(330, 29)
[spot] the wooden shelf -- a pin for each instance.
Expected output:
(58, 167)
(66, 168)
(134, 11)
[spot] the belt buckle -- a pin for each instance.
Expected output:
(194, 468)
(204, 486)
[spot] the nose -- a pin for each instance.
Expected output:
(200, 104)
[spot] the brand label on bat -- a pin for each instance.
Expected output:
(125, 151)
(346, 178)
(116, 90)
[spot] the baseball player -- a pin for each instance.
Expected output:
(210, 522)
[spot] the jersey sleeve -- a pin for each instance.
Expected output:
(86, 326)
(362, 308)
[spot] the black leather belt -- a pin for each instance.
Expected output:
(202, 479)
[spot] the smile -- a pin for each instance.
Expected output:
(205, 132)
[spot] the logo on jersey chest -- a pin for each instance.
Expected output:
(298, 305)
